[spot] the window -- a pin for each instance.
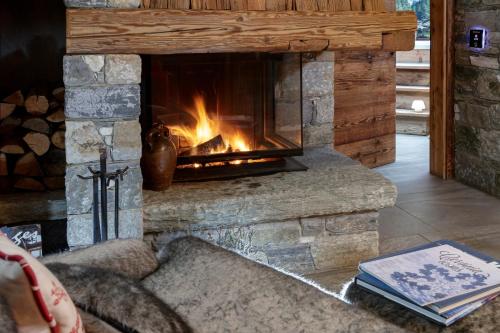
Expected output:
(423, 11)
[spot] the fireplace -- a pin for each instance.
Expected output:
(230, 114)
(112, 98)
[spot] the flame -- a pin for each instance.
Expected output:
(207, 128)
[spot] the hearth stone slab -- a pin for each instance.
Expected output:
(303, 222)
(333, 185)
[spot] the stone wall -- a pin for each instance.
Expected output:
(317, 94)
(302, 246)
(102, 111)
(477, 97)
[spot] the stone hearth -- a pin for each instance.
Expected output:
(321, 219)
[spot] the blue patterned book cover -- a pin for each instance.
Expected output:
(434, 274)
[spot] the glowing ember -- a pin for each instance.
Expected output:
(208, 128)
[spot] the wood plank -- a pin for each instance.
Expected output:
(441, 89)
(306, 5)
(256, 4)
(356, 5)
(325, 5)
(365, 99)
(399, 41)
(155, 31)
(239, 4)
(372, 152)
(341, 5)
(374, 5)
(309, 45)
(276, 4)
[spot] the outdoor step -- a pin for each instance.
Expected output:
(412, 78)
(404, 88)
(405, 98)
(411, 122)
(413, 56)
(413, 66)
(405, 113)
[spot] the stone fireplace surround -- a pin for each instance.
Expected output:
(305, 221)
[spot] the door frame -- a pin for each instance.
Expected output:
(441, 117)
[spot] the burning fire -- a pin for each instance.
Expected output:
(210, 130)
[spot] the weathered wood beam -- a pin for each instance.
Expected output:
(160, 31)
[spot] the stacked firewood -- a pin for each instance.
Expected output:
(32, 130)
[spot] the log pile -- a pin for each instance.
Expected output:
(32, 156)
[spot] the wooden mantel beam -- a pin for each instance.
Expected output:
(165, 31)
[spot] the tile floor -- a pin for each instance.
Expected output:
(429, 209)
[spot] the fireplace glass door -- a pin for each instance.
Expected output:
(227, 107)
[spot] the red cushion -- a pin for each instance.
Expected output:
(38, 301)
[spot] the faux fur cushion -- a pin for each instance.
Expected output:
(7, 323)
(118, 300)
(129, 257)
(219, 291)
(93, 324)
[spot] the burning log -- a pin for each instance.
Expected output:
(208, 147)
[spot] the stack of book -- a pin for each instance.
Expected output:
(443, 281)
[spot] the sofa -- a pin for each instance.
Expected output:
(190, 285)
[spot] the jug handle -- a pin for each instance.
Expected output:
(158, 129)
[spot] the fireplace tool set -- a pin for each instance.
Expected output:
(102, 179)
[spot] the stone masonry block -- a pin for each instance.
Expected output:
(126, 141)
(317, 110)
(85, 3)
(82, 142)
(345, 250)
(312, 226)
(317, 78)
(79, 191)
(123, 69)
(124, 3)
(101, 102)
(102, 3)
(83, 70)
(349, 224)
(275, 233)
(317, 136)
(80, 227)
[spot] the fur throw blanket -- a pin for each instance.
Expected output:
(118, 300)
(7, 323)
